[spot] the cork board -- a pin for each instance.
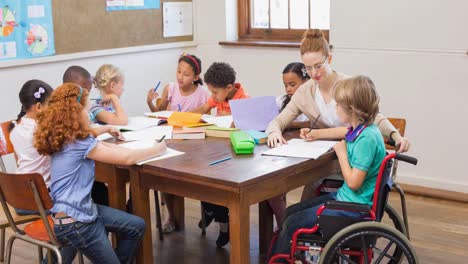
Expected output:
(85, 25)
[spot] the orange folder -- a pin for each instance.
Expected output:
(180, 119)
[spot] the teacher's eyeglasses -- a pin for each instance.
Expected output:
(317, 66)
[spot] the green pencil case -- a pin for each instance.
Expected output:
(242, 143)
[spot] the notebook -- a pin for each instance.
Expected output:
(300, 148)
(254, 113)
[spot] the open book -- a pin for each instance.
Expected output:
(300, 148)
(140, 123)
(220, 121)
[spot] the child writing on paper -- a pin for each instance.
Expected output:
(294, 75)
(185, 95)
(108, 109)
(63, 133)
(33, 97)
(221, 81)
(360, 156)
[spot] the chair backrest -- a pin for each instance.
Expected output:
(18, 191)
(400, 125)
(29, 192)
(383, 186)
(5, 144)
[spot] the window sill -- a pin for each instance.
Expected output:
(257, 43)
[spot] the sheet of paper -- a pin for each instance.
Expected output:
(35, 11)
(177, 19)
(221, 121)
(254, 113)
(149, 133)
(169, 154)
(300, 148)
(138, 123)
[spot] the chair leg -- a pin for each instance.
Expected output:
(50, 259)
(158, 215)
(40, 254)
(80, 258)
(163, 202)
(9, 248)
(2, 245)
(203, 220)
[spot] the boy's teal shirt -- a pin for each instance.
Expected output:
(365, 153)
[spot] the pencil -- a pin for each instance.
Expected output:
(220, 160)
(157, 86)
(161, 139)
(315, 122)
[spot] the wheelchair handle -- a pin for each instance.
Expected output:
(406, 158)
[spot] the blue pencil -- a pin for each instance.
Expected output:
(220, 160)
(180, 108)
(157, 86)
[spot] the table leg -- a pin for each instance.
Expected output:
(141, 208)
(179, 211)
(239, 225)
(265, 226)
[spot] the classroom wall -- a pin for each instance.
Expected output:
(415, 53)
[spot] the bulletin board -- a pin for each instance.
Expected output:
(85, 25)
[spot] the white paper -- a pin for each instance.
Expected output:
(169, 154)
(111, 3)
(300, 148)
(138, 123)
(221, 121)
(178, 19)
(135, 2)
(35, 11)
(149, 133)
(104, 137)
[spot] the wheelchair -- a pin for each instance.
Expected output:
(339, 239)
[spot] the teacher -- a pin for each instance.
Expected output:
(315, 99)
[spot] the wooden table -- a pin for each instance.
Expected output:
(237, 183)
(116, 179)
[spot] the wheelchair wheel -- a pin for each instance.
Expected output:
(379, 243)
(395, 219)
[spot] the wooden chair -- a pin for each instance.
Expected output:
(6, 148)
(20, 190)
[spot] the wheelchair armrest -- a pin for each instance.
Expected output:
(347, 206)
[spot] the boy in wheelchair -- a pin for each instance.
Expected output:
(360, 156)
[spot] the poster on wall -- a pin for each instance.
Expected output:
(115, 5)
(26, 29)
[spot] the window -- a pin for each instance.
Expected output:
(281, 20)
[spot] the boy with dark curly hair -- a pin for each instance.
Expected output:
(221, 81)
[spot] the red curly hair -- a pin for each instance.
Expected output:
(61, 121)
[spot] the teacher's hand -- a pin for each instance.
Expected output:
(402, 144)
(276, 139)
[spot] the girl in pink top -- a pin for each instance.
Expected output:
(185, 95)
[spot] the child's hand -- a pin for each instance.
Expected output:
(116, 133)
(340, 147)
(151, 95)
(161, 145)
(308, 134)
(108, 99)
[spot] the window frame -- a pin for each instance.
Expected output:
(247, 33)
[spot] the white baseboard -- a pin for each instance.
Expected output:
(441, 184)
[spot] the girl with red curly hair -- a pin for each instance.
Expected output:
(63, 133)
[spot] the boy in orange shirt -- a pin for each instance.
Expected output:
(221, 81)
